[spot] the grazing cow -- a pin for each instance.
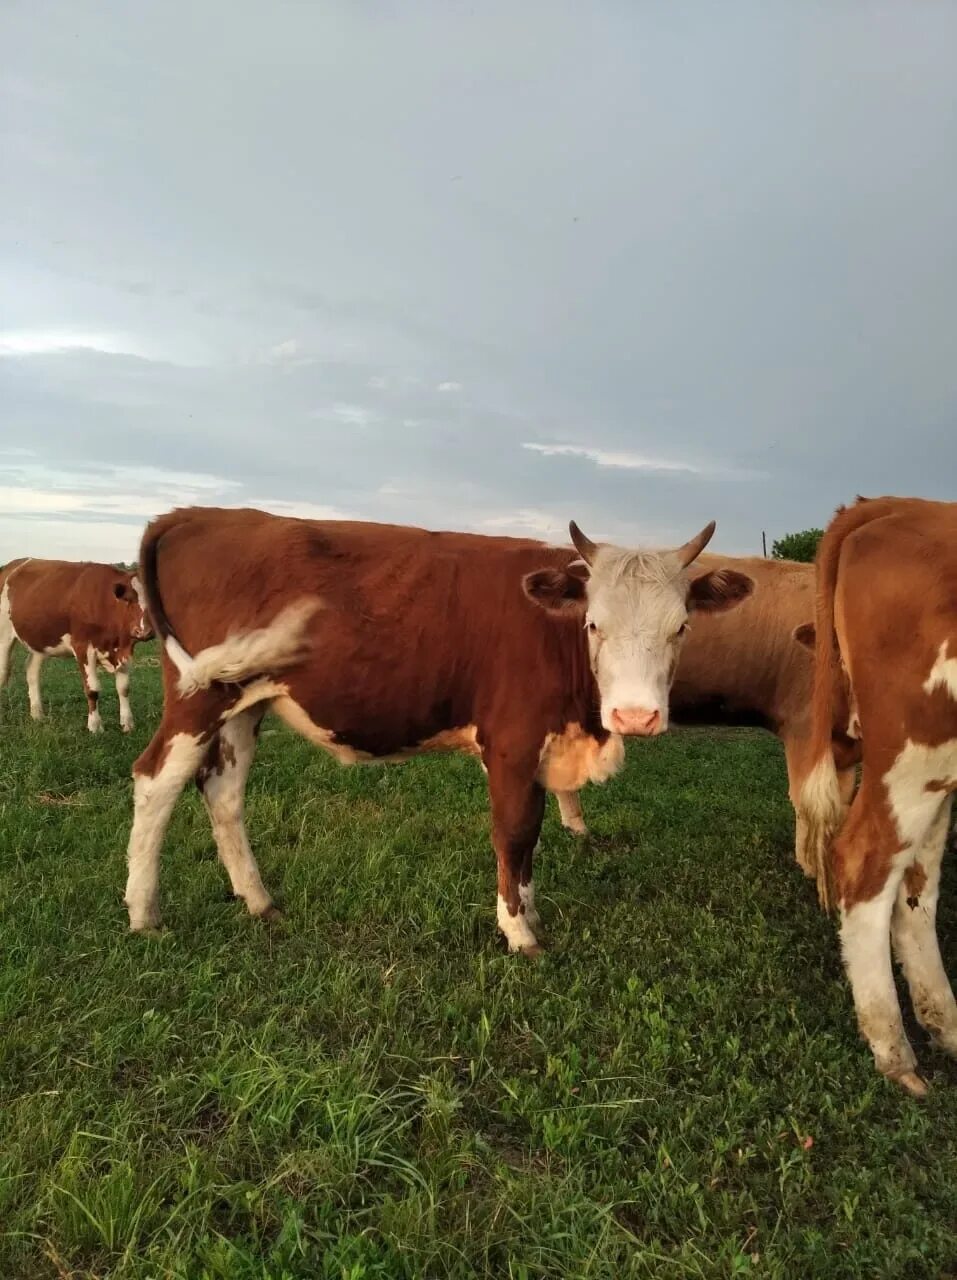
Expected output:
(60, 608)
(886, 618)
(378, 642)
(743, 668)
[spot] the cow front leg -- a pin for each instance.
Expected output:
(34, 666)
(222, 781)
(570, 809)
(518, 805)
(123, 696)
(91, 687)
(914, 933)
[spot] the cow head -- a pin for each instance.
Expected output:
(635, 607)
(128, 593)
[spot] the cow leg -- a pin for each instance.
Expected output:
(914, 932)
(863, 846)
(222, 781)
(123, 696)
(91, 686)
(518, 805)
(34, 664)
(7, 640)
(159, 775)
(570, 808)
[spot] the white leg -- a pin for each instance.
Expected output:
(914, 931)
(526, 895)
(7, 638)
(34, 663)
(91, 686)
(153, 799)
(222, 781)
(865, 940)
(123, 694)
(517, 930)
(569, 806)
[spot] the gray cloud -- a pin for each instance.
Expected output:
(488, 268)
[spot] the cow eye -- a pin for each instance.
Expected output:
(682, 630)
(593, 630)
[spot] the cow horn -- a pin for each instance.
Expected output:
(584, 546)
(694, 546)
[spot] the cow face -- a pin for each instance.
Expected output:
(128, 593)
(635, 607)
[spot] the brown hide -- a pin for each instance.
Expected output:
(420, 632)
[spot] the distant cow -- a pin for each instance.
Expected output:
(887, 618)
(60, 608)
(377, 643)
(744, 668)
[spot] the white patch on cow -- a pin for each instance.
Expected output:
(34, 666)
(105, 660)
(914, 930)
(865, 942)
(123, 696)
(943, 674)
(914, 806)
(570, 809)
(8, 634)
(517, 930)
(280, 644)
(637, 607)
(94, 721)
(63, 648)
(573, 757)
(526, 896)
(153, 801)
(223, 794)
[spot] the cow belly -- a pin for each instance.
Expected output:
(573, 757)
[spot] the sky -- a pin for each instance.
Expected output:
(487, 266)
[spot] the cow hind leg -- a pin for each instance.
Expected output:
(159, 775)
(570, 809)
(860, 849)
(34, 666)
(222, 781)
(7, 641)
(914, 932)
(123, 696)
(518, 805)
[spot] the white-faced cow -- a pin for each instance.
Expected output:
(742, 667)
(59, 608)
(378, 642)
(886, 623)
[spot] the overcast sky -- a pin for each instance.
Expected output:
(487, 265)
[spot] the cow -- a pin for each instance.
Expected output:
(61, 608)
(378, 642)
(743, 667)
(886, 623)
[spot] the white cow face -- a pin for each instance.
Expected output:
(129, 592)
(635, 607)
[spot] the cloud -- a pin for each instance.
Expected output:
(611, 458)
(47, 342)
(527, 521)
(449, 386)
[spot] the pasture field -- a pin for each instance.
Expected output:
(373, 1088)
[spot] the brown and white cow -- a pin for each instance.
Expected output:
(887, 614)
(378, 642)
(60, 608)
(742, 667)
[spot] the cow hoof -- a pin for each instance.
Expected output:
(150, 931)
(533, 950)
(912, 1083)
(127, 728)
(271, 915)
(576, 829)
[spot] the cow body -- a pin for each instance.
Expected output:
(60, 608)
(887, 615)
(378, 642)
(743, 668)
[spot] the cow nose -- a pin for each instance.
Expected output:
(636, 720)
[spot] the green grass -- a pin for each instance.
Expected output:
(374, 1088)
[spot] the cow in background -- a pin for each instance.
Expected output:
(61, 608)
(886, 625)
(743, 667)
(377, 642)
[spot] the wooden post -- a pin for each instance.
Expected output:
(764, 544)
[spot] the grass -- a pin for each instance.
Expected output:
(373, 1088)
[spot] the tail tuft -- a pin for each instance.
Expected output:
(280, 645)
(820, 815)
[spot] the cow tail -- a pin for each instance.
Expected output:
(280, 644)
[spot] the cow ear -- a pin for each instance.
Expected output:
(805, 634)
(557, 590)
(719, 590)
